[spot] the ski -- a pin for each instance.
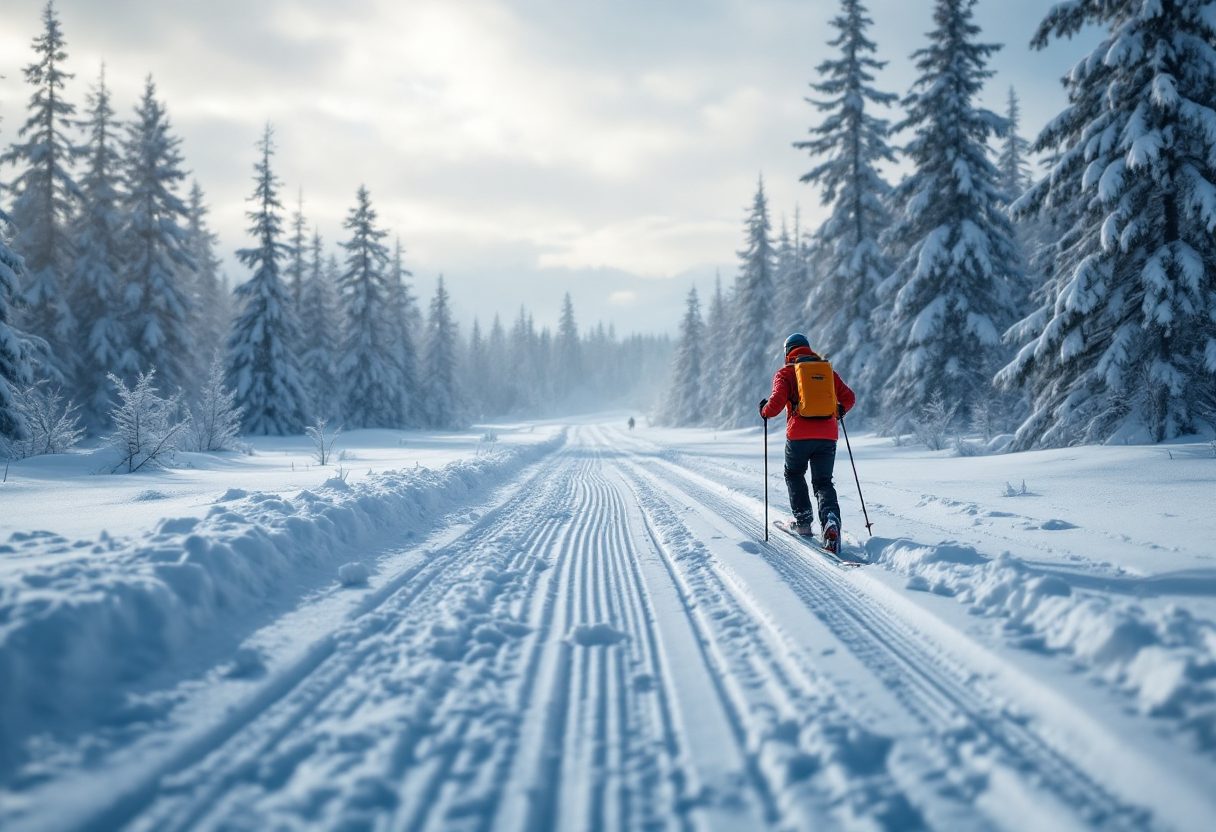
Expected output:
(838, 559)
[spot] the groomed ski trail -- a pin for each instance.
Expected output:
(614, 649)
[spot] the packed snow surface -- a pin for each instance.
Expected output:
(584, 627)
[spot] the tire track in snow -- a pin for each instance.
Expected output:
(943, 695)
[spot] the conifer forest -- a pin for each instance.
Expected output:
(1060, 302)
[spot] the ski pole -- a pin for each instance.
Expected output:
(765, 479)
(856, 479)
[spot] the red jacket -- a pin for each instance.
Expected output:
(785, 391)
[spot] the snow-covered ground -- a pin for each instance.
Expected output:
(583, 628)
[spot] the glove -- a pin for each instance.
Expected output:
(763, 402)
(839, 411)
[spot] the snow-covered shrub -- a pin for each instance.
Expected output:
(52, 427)
(968, 448)
(934, 425)
(322, 445)
(215, 420)
(1010, 491)
(984, 417)
(147, 429)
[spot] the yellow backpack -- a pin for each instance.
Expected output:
(816, 387)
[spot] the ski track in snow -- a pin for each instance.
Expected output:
(610, 649)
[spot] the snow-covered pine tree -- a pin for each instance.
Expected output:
(1125, 335)
(952, 293)
(1033, 234)
(524, 389)
(44, 198)
(319, 326)
(262, 366)
(472, 367)
(542, 358)
(403, 315)
(215, 419)
(158, 307)
(568, 359)
(793, 282)
(686, 394)
(15, 370)
(752, 346)
(850, 143)
(493, 368)
(370, 377)
(53, 426)
(297, 255)
(96, 292)
(211, 296)
(442, 403)
(714, 363)
(1013, 162)
(147, 430)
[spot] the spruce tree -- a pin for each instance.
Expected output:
(524, 390)
(471, 368)
(403, 321)
(568, 361)
(15, 370)
(211, 297)
(319, 330)
(492, 366)
(154, 243)
(793, 283)
(97, 292)
(850, 142)
(442, 404)
(44, 197)
(953, 290)
(1013, 163)
(370, 377)
(297, 255)
(716, 327)
(751, 336)
(686, 396)
(262, 365)
(1125, 332)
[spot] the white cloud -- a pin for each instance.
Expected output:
(623, 135)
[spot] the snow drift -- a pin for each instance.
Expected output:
(1164, 659)
(76, 634)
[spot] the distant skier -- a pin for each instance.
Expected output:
(631, 423)
(810, 433)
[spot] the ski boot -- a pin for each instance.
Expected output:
(831, 533)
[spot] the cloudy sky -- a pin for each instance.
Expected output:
(522, 148)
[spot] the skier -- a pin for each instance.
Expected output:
(631, 423)
(808, 441)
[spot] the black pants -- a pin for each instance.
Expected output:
(820, 456)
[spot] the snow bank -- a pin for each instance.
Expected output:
(76, 633)
(1165, 659)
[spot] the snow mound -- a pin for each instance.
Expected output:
(353, 574)
(596, 635)
(76, 633)
(1164, 660)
